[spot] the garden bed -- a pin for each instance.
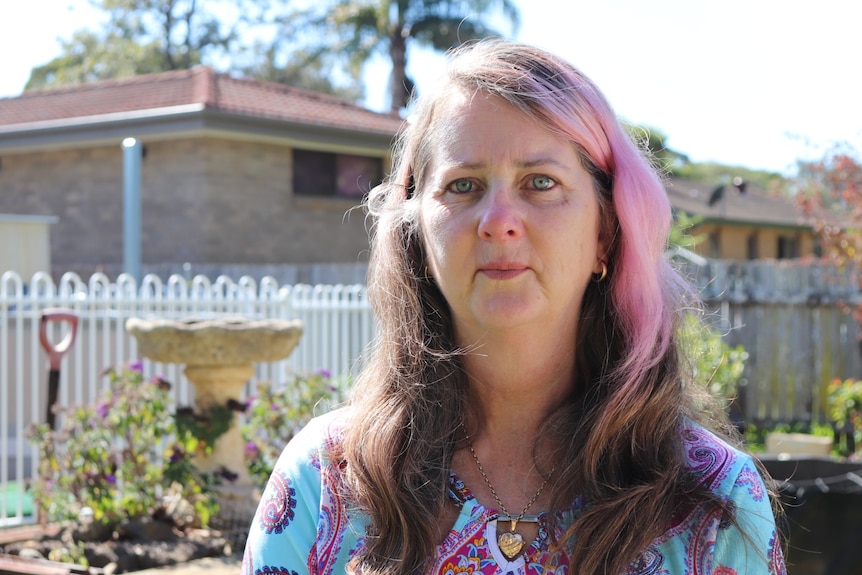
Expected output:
(134, 549)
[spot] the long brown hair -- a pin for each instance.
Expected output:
(618, 435)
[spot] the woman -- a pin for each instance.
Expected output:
(524, 409)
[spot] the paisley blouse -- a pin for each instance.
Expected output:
(305, 525)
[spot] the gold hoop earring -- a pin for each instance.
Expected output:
(600, 277)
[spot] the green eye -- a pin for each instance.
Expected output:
(542, 182)
(462, 186)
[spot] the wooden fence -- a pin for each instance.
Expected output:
(795, 320)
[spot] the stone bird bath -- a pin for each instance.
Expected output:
(219, 357)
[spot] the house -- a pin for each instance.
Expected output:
(738, 221)
(233, 170)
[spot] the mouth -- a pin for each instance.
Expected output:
(503, 270)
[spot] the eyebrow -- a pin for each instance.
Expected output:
(531, 163)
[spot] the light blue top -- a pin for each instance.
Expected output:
(305, 525)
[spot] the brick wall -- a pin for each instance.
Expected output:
(205, 200)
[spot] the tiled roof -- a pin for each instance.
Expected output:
(198, 86)
(730, 204)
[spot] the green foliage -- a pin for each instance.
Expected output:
(110, 458)
(712, 173)
(755, 434)
(303, 68)
(199, 431)
(276, 414)
(146, 36)
(75, 553)
(654, 143)
(679, 232)
(845, 410)
(347, 33)
(90, 56)
(714, 365)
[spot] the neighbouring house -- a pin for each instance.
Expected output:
(738, 221)
(234, 171)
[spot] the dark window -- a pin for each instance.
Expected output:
(714, 245)
(788, 247)
(752, 246)
(323, 174)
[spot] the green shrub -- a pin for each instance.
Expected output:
(118, 458)
(275, 414)
(845, 410)
(713, 364)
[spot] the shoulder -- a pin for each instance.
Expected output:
(327, 428)
(314, 451)
(302, 521)
(734, 533)
(719, 467)
(322, 438)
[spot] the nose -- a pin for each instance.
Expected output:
(500, 217)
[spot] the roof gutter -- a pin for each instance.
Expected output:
(183, 121)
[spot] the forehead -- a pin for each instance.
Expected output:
(477, 127)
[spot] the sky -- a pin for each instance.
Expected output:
(756, 83)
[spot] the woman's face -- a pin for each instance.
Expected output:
(509, 219)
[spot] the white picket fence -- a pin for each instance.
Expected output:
(338, 326)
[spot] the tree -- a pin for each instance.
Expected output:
(350, 32)
(89, 57)
(300, 69)
(654, 142)
(830, 192)
(145, 36)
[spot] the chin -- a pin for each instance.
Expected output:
(508, 313)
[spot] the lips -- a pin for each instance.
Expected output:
(503, 270)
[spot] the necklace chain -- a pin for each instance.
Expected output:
(494, 492)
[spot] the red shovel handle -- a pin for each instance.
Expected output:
(56, 352)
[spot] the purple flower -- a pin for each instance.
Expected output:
(177, 454)
(111, 478)
(324, 373)
(251, 450)
(103, 409)
(137, 366)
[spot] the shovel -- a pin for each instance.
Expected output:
(56, 352)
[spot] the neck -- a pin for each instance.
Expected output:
(517, 382)
(518, 377)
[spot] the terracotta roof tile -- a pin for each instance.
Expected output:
(199, 85)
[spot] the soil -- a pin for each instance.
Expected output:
(136, 547)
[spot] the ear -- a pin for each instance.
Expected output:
(609, 229)
(411, 185)
(602, 249)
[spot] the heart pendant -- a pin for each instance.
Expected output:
(510, 544)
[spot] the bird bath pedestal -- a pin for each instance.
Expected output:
(219, 357)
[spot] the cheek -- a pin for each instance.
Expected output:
(434, 242)
(435, 237)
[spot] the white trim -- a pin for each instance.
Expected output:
(29, 219)
(97, 119)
